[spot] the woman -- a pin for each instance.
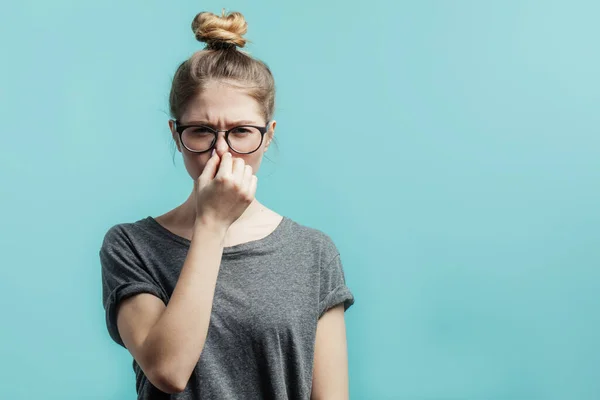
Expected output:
(221, 297)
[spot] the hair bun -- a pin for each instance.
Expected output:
(221, 32)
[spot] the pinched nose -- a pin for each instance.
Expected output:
(221, 146)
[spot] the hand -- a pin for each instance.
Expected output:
(224, 189)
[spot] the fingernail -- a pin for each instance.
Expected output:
(213, 153)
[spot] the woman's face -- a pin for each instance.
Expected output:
(221, 106)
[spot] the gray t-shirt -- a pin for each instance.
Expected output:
(268, 298)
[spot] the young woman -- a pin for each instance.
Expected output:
(221, 297)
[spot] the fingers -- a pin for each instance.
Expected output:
(210, 169)
(225, 167)
(236, 172)
(253, 184)
(238, 169)
(247, 178)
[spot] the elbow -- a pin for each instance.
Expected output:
(170, 372)
(166, 381)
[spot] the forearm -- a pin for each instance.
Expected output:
(176, 341)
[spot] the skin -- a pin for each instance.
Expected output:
(222, 106)
(330, 371)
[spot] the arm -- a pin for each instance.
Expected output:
(166, 341)
(330, 372)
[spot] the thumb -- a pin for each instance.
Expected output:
(210, 169)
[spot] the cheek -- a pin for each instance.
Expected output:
(253, 160)
(194, 163)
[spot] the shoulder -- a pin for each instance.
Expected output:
(121, 235)
(316, 238)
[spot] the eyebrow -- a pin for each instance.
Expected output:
(233, 123)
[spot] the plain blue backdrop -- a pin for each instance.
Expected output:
(450, 148)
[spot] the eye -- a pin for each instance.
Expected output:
(199, 130)
(240, 130)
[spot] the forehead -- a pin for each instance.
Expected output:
(220, 102)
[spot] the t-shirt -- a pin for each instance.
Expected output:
(268, 298)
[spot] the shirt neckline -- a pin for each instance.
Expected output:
(253, 244)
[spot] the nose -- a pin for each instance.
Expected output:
(221, 146)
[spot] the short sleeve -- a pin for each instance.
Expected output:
(123, 275)
(333, 290)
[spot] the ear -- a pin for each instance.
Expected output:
(174, 134)
(270, 134)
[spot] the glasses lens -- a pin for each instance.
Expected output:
(245, 139)
(197, 138)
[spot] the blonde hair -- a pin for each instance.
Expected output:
(221, 60)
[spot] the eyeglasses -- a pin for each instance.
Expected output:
(243, 139)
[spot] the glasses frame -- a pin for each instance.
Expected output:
(180, 128)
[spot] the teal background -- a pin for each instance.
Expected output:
(450, 148)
